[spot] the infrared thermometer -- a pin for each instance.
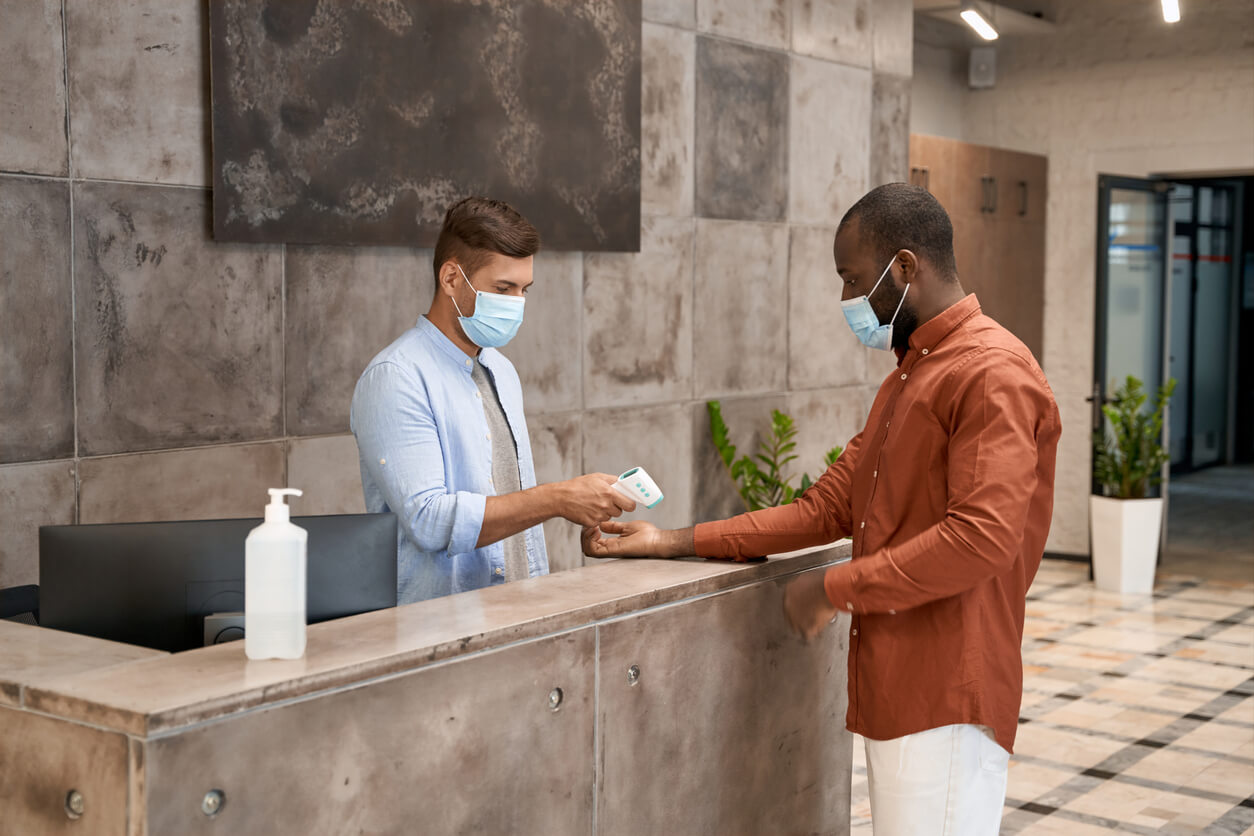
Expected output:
(639, 486)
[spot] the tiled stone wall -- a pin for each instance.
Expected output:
(149, 372)
(1116, 91)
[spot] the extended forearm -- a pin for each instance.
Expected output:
(506, 515)
(676, 542)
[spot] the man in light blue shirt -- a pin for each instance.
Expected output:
(441, 435)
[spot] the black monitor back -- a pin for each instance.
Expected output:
(152, 584)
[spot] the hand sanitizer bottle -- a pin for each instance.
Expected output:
(274, 584)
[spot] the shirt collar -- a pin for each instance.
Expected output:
(437, 338)
(928, 335)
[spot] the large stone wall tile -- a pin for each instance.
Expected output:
(822, 350)
(179, 339)
(825, 418)
(329, 473)
(471, 746)
(892, 44)
(36, 321)
(344, 305)
(671, 12)
(42, 759)
(557, 449)
(659, 439)
(828, 140)
(835, 30)
(206, 483)
(740, 319)
(890, 129)
(32, 87)
(547, 351)
(31, 495)
(139, 90)
(638, 318)
(723, 682)
(667, 120)
(742, 131)
(758, 21)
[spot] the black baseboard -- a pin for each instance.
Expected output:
(1068, 556)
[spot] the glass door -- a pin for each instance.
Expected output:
(1132, 301)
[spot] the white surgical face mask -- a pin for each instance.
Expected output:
(863, 321)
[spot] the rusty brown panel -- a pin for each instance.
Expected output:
(43, 760)
(471, 746)
(733, 724)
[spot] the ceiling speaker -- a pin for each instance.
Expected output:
(982, 67)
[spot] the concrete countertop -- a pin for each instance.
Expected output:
(147, 693)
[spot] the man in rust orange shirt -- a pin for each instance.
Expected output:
(947, 493)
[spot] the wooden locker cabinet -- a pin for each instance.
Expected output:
(996, 199)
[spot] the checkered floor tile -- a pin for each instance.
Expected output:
(1138, 713)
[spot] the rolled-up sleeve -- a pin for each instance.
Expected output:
(400, 447)
(819, 516)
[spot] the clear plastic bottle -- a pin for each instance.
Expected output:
(274, 584)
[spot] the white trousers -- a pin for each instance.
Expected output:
(949, 781)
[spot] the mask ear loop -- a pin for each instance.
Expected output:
(458, 307)
(880, 280)
(900, 302)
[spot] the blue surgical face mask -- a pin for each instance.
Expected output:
(863, 321)
(496, 318)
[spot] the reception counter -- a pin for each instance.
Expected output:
(629, 697)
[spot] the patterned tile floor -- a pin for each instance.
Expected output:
(1138, 713)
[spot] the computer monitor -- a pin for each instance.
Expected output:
(152, 584)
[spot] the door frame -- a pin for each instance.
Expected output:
(1099, 396)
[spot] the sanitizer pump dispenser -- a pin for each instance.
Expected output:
(274, 584)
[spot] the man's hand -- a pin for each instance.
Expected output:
(806, 605)
(636, 539)
(591, 499)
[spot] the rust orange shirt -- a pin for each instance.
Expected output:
(947, 493)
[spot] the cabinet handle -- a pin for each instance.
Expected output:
(1023, 198)
(989, 185)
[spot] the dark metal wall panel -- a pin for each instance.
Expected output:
(361, 123)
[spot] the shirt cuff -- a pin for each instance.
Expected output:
(467, 522)
(709, 541)
(838, 583)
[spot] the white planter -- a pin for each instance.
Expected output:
(1125, 543)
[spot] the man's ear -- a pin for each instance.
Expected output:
(448, 277)
(908, 263)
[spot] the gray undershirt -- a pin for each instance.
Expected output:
(505, 478)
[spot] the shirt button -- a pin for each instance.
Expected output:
(488, 436)
(849, 605)
(863, 524)
(903, 377)
(479, 395)
(469, 362)
(925, 351)
(854, 631)
(875, 474)
(892, 612)
(500, 571)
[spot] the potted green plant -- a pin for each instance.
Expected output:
(1128, 459)
(762, 480)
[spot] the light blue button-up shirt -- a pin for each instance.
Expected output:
(426, 455)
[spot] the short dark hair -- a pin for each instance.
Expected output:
(476, 227)
(898, 216)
